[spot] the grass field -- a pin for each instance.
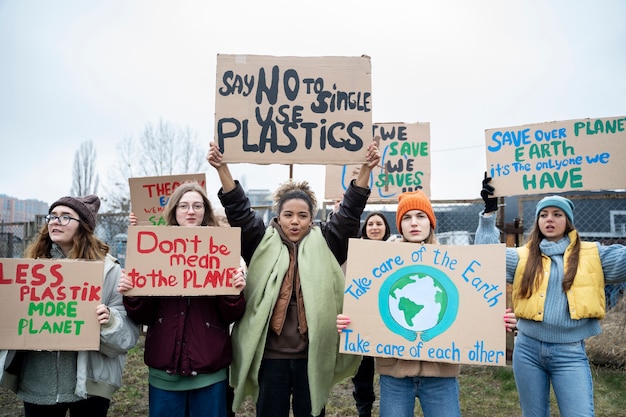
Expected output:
(485, 392)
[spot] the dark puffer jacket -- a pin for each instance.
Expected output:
(187, 335)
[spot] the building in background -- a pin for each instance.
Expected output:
(13, 210)
(17, 223)
(260, 198)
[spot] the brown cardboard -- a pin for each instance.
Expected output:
(554, 157)
(470, 330)
(149, 195)
(173, 260)
(404, 166)
(50, 304)
(283, 110)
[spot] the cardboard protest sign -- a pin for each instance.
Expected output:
(50, 304)
(404, 164)
(149, 195)
(425, 302)
(554, 157)
(172, 260)
(286, 110)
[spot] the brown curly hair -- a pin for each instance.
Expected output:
(294, 190)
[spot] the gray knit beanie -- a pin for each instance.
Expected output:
(87, 207)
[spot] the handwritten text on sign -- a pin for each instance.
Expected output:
(150, 195)
(311, 110)
(50, 304)
(404, 165)
(172, 260)
(425, 302)
(573, 155)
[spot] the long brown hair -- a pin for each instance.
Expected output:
(533, 272)
(209, 218)
(85, 245)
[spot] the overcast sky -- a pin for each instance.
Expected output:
(72, 71)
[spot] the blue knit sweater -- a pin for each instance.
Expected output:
(557, 326)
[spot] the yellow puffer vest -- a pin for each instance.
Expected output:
(585, 297)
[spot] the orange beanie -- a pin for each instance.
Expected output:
(414, 200)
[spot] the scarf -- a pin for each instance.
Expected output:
(322, 282)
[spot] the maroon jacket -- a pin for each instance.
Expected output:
(187, 335)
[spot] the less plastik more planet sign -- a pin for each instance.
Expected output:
(50, 304)
(554, 157)
(293, 110)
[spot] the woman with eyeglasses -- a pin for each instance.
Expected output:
(52, 382)
(188, 345)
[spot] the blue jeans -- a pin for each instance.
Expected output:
(439, 397)
(279, 380)
(201, 402)
(536, 364)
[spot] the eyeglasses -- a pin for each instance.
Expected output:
(64, 220)
(194, 206)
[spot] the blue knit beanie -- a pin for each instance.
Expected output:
(556, 201)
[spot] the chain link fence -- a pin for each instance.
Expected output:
(14, 237)
(111, 228)
(598, 217)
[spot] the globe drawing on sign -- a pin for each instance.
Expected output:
(418, 299)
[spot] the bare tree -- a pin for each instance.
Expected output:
(85, 178)
(168, 150)
(162, 149)
(117, 196)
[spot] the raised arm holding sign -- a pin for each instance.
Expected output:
(292, 256)
(404, 165)
(558, 297)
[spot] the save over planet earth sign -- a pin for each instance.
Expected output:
(436, 303)
(554, 157)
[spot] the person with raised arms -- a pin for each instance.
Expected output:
(285, 351)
